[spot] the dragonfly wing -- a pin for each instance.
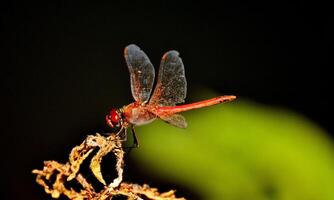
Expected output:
(141, 72)
(175, 120)
(171, 87)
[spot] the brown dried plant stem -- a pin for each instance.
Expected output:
(70, 171)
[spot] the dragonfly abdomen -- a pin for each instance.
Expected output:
(163, 110)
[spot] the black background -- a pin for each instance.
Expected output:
(63, 68)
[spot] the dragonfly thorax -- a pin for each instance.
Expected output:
(138, 114)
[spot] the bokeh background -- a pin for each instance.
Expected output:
(63, 69)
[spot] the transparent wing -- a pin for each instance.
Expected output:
(171, 85)
(175, 120)
(141, 72)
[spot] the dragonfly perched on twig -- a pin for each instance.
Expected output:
(170, 89)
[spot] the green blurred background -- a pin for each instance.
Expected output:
(241, 150)
(63, 69)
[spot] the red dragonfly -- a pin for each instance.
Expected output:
(170, 89)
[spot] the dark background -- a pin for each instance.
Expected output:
(63, 68)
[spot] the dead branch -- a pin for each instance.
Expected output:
(70, 171)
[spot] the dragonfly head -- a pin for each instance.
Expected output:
(114, 118)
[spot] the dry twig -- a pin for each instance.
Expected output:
(70, 171)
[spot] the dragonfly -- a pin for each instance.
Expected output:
(170, 90)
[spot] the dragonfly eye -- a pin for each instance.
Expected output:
(113, 118)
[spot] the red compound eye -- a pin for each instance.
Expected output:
(114, 117)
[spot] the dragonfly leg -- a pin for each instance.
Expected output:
(135, 140)
(123, 134)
